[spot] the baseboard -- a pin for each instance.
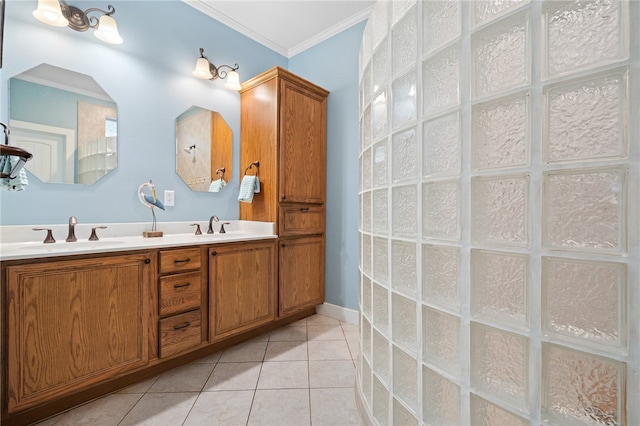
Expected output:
(338, 312)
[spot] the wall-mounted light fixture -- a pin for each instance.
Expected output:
(59, 13)
(207, 71)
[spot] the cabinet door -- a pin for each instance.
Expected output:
(74, 323)
(303, 129)
(301, 283)
(241, 287)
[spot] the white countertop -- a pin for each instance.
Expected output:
(22, 242)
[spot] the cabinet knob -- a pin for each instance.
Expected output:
(283, 197)
(283, 245)
(214, 253)
(147, 261)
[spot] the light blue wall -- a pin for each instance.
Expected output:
(149, 77)
(333, 64)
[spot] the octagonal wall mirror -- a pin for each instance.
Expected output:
(67, 121)
(204, 144)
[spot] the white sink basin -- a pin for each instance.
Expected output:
(65, 246)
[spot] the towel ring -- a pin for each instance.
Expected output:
(8, 150)
(220, 172)
(255, 163)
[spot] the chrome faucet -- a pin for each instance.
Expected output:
(72, 226)
(211, 219)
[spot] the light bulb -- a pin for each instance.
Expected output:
(50, 13)
(108, 30)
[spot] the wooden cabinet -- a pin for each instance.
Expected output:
(241, 287)
(180, 300)
(74, 323)
(283, 126)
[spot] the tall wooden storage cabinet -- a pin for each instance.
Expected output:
(283, 125)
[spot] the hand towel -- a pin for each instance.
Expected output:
(250, 185)
(217, 185)
(20, 182)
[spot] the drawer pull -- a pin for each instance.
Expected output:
(304, 209)
(181, 285)
(180, 327)
(188, 259)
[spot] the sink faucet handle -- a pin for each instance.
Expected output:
(94, 236)
(198, 231)
(222, 231)
(49, 239)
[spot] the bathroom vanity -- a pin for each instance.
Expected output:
(87, 318)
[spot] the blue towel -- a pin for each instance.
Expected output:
(20, 182)
(250, 185)
(217, 185)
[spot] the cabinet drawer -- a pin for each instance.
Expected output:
(179, 333)
(301, 219)
(178, 260)
(179, 293)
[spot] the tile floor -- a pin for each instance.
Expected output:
(299, 374)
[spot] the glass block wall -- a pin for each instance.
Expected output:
(499, 221)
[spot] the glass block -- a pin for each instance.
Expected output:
(381, 67)
(379, 23)
(366, 338)
(366, 170)
(404, 211)
(441, 398)
(501, 133)
(485, 413)
(380, 211)
(499, 210)
(379, 115)
(380, 164)
(381, 260)
(380, 402)
(366, 211)
(366, 254)
(578, 387)
(366, 137)
(366, 86)
(584, 301)
(582, 35)
(405, 155)
(440, 210)
(399, 7)
(500, 56)
(402, 416)
(486, 10)
(440, 266)
(366, 380)
(404, 264)
(441, 80)
(405, 380)
(403, 321)
(381, 357)
(441, 23)
(404, 42)
(404, 99)
(441, 332)
(499, 284)
(441, 145)
(585, 209)
(499, 364)
(366, 296)
(586, 120)
(381, 308)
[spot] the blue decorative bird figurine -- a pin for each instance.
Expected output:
(151, 201)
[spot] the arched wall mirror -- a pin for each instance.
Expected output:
(204, 144)
(67, 121)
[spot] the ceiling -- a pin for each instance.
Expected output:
(286, 27)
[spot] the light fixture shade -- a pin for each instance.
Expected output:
(107, 30)
(202, 69)
(50, 13)
(233, 81)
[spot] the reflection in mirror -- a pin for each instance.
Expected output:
(204, 146)
(67, 121)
